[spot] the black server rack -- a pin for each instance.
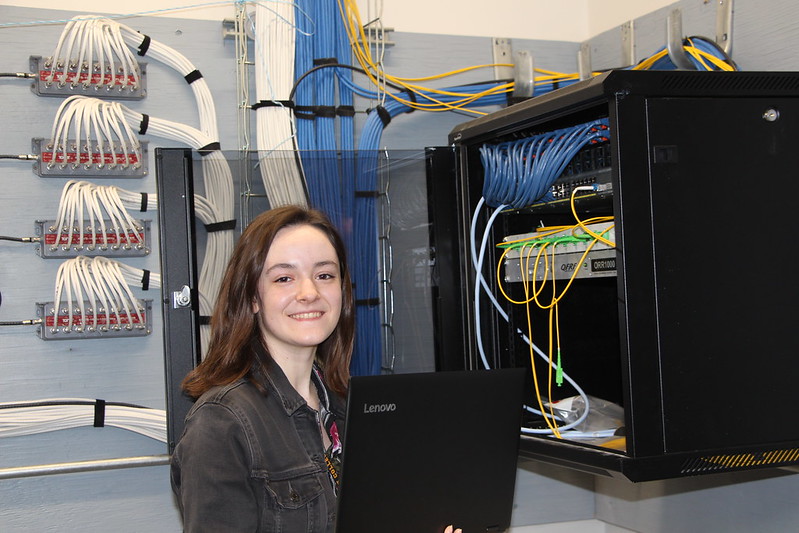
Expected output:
(690, 326)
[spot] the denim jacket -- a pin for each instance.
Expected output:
(252, 460)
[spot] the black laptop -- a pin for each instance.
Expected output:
(425, 450)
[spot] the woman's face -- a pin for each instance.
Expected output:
(299, 292)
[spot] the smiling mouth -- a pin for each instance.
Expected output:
(306, 316)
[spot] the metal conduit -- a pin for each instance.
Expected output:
(83, 466)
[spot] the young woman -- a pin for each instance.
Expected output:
(260, 450)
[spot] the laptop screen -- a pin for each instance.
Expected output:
(425, 450)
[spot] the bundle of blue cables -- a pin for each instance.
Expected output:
(521, 172)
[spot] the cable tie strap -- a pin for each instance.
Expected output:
(371, 302)
(305, 112)
(273, 103)
(145, 45)
(367, 194)
(99, 413)
(345, 111)
(145, 280)
(325, 61)
(145, 123)
(205, 320)
(192, 76)
(208, 148)
(225, 225)
(384, 115)
(144, 202)
(326, 111)
(412, 98)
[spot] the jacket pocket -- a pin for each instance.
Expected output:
(296, 504)
(296, 492)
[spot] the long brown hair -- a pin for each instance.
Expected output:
(234, 325)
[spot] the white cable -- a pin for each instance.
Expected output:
(89, 42)
(103, 284)
(84, 204)
(111, 41)
(274, 79)
(53, 414)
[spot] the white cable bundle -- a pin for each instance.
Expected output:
(133, 200)
(86, 117)
(41, 416)
(86, 288)
(217, 177)
(93, 48)
(89, 126)
(216, 171)
(274, 79)
(85, 207)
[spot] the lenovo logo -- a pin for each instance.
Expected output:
(379, 408)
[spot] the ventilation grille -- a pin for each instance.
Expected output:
(738, 83)
(718, 463)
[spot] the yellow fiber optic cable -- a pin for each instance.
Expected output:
(551, 424)
(583, 225)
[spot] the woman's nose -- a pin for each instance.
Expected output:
(306, 291)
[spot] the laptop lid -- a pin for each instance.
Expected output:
(425, 450)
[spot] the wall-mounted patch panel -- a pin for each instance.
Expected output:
(113, 242)
(99, 324)
(101, 82)
(93, 161)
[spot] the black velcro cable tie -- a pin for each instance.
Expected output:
(144, 202)
(145, 123)
(305, 112)
(99, 413)
(145, 45)
(326, 111)
(371, 302)
(345, 111)
(367, 194)
(273, 103)
(225, 225)
(325, 61)
(412, 98)
(384, 115)
(208, 148)
(145, 280)
(192, 76)
(205, 320)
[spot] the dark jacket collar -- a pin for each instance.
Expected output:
(271, 377)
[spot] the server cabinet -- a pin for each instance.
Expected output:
(687, 322)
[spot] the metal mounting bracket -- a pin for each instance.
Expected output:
(674, 40)
(724, 25)
(523, 74)
(628, 43)
(584, 61)
(502, 52)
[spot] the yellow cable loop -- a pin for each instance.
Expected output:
(583, 225)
